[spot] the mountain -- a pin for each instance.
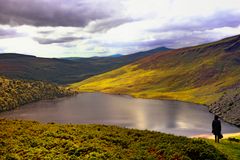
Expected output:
(198, 74)
(116, 55)
(63, 71)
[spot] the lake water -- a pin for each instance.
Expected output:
(175, 117)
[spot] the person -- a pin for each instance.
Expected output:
(216, 129)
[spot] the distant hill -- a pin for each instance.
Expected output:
(116, 55)
(198, 74)
(63, 71)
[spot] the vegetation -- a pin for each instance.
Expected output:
(33, 140)
(199, 74)
(14, 93)
(63, 71)
(230, 147)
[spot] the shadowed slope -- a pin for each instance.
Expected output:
(14, 93)
(197, 74)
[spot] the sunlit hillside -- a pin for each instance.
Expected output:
(197, 74)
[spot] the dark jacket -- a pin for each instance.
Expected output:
(216, 127)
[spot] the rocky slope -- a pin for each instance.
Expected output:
(228, 106)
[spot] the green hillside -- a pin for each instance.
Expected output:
(14, 93)
(63, 71)
(33, 140)
(198, 74)
(229, 146)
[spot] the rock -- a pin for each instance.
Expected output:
(228, 107)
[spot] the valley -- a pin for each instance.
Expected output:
(63, 71)
(206, 75)
(119, 80)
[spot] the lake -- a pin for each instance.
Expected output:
(179, 118)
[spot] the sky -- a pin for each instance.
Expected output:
(86, 28)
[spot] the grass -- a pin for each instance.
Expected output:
(33, 140)
(230, 147)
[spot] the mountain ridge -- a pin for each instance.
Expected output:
(62, 71)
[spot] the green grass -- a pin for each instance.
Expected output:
(33, 140)
(230, 148)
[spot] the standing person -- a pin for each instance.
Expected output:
(216, 129)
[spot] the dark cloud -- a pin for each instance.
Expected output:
(8, 33)
(76, 13)
(58, 40)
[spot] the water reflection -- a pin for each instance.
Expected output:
(166, 116)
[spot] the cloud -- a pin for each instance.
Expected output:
(54, 12)
(92, 27)
(57, 40)
(8, 33)
(201, 23)
(45, 32)
(106, 24)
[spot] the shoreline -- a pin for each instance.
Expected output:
(211, 136)
(129, 95)
(205, 136)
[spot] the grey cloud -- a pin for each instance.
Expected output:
(8, 33)
(76, 13)
(217, 20)
(177, 40)
(45, 32)
(106, 24)
(58, 40)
